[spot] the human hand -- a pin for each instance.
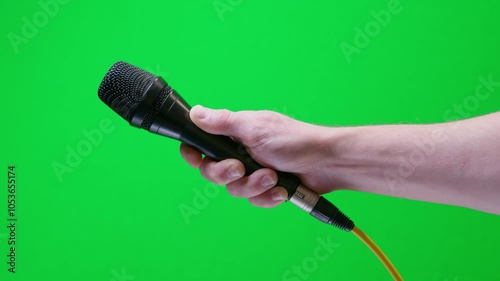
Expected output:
(273, 140)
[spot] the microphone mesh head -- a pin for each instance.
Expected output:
(123, 88)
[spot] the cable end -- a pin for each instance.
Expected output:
(328, 213)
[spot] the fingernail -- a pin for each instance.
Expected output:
(277, 195)
(267, 181)
(234, 173)
(201, 113)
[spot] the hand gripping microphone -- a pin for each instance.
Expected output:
(148, 102)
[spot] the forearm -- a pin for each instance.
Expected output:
(453, 163)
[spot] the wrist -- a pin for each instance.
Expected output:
(352, 157)
(334, 146)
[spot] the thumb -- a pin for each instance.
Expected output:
(217, 122)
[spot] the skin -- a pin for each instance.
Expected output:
(455, 163)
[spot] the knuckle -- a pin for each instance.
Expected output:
(258, 135)
(254, 202)
(204, 173)
(277, 122)
(218, 176)
(223, 172)
(262, 203)
(207, 171)
(224, 117)
(267, 125)
(232, 189)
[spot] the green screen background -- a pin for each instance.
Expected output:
(116, 216)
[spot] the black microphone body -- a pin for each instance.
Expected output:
(148, 102)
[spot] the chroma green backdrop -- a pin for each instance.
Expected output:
(99, 200)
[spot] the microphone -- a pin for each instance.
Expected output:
(147, 101)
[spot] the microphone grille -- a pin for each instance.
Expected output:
(123, 88)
